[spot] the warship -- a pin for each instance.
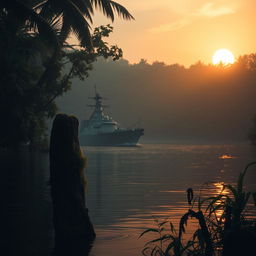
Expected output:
(101, 130)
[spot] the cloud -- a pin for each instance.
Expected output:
(209, 10)
(171, 26)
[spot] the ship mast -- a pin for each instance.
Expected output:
(98, 106)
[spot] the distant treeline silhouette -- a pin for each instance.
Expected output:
(172, 102)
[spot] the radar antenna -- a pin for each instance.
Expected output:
(98, 100)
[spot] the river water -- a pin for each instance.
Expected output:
(127, 189)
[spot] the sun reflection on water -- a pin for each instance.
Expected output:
(219, 188)
(226, 156)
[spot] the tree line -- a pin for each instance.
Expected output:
(173, 103)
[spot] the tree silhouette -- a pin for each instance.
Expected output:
(33, 46)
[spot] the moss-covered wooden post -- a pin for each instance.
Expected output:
(74, 232)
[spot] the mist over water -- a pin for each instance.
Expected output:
(200, 104)
(126, 188)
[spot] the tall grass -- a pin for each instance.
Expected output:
(218, 217)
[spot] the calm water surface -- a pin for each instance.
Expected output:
(126, 188)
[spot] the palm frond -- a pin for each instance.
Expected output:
(105, 7)
(57, 7)
(50, 10)
(64, 31)
(56, 23)
(73, 15)
(26, 14)
(85, 7)
(38, 6)
(108, 8)
(121, 11)
(78, 23)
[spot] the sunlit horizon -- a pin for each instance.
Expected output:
(182, 32)
(223, 56)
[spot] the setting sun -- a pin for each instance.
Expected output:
(223, 56)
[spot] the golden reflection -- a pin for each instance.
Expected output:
(137, 222)
(226, 156)
(219, 189)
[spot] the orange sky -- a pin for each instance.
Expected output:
(184, 31)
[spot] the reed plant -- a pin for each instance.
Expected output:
(218, 218)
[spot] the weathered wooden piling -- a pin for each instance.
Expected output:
(74, 231)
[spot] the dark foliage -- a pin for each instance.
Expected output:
(224, 228)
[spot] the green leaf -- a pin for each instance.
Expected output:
(195, 235)
(240, 182)
(246, 198)
(154, 251)
(190, 195)
(172, 228)
(214, 200)
(189, 244)
(169, 247)
(249, 165)
(162, 223)
(199, 203)
(164, 237)
(149, 230)
(144, 250)
(233, 190)
(109, 7)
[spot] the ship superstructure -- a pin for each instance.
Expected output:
(102, 130)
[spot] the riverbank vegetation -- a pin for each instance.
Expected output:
(225, 227)
(38, 62)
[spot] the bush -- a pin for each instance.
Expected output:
(224, 229)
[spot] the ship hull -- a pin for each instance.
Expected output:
(117, 138)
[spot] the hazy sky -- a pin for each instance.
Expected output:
(184, 31)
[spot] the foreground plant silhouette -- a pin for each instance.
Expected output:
(223, 227)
